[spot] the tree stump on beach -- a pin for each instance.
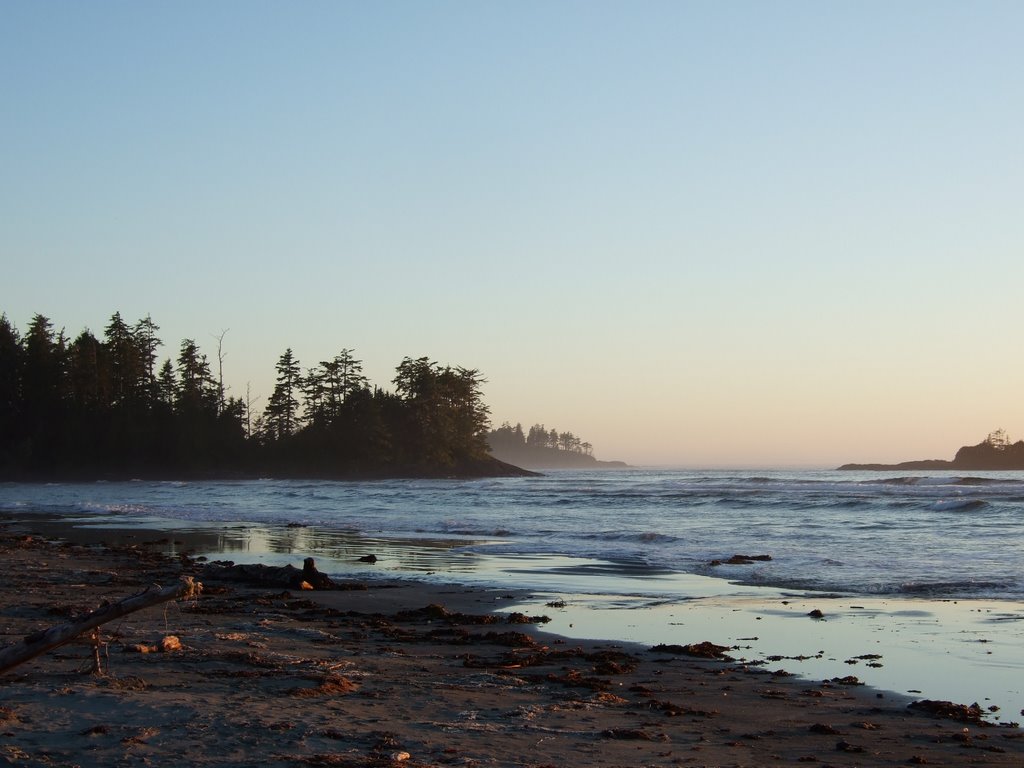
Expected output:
(285, 576)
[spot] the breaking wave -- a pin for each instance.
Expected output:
(957, 505)
(862, 532)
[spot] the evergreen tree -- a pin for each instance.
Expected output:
(126, 364)
(146, 342)
(314, 393)
(446, 418)
(232, 422)
(340, 378)
(10, 388)
(349, 373)
(196, 389)
(538, 436)
(44, 361)
(471, 414)
(44, 388)
(167, 385)
(281, 415)
(101, 405)
(90, 386)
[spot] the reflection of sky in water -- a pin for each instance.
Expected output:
(964, 651)
(339, 553)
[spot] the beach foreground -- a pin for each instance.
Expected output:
(380, 674)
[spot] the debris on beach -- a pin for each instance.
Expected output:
(704, 650)
(326, 685)
(845, 746)
(633, 734)
(287, 576)
(825, 729)
(742, 560)
(439, 612)
(848, 680)
(870, 658)
(167, 644)
(452, 689)
(948, 710)
(675, 710)
(43, 641)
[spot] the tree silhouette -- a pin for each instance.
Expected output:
(126, 364)
(282, 413)
(541, 447)
(98, 407)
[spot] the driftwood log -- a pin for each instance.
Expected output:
(39, 643)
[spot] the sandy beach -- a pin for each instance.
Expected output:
(385, 673)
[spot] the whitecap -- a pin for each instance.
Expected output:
(957, 505)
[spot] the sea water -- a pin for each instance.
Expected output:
(928, 534)
(927, 564)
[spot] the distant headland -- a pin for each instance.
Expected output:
(994, 453)
(543, 448)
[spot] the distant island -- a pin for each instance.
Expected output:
(541, 448)
(104, 408)
(994, 453)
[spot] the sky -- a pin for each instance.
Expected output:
(706, 234)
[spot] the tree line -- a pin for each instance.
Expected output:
(106, 406)
(543, 448)
(507, 437)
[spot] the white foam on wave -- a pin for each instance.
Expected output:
(953, 505)
(887, 529)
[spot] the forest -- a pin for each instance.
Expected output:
(543, 448)
(507, 436)
(91, 408)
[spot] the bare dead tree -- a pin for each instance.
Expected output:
(249, 402)
(221, 354)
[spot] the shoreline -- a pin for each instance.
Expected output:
(891, 643)
(469, 469)
(381, 684)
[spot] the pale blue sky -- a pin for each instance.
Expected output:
(706, 233)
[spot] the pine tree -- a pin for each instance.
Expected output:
(125, 362)
(167, 384)
(10, 383)
(196, 389)
(90, 386)
(447, 418)
(146, 342)
(43, 366)
(281, 414)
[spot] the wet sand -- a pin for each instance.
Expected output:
(370, 676)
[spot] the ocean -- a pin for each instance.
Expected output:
(927, 534)
(927, 566)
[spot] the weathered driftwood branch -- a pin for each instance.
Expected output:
(41, 642)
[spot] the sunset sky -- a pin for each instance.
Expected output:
(693, 233)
